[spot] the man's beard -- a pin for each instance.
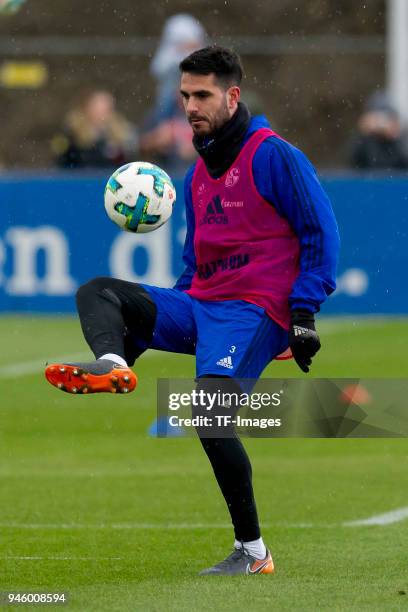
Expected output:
(222, 117)
(217, 122)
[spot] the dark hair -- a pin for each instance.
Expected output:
(224, 63)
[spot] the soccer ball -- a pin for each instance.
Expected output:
(139, 197)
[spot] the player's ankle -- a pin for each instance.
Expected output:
(256, 548)
(115, 358)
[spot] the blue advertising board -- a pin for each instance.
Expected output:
(372, 214)
(55, 235)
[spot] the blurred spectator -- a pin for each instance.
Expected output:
(166, 133)
(94, 134)
(169, 143)
(379, 144)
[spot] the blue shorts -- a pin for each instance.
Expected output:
(229, 338)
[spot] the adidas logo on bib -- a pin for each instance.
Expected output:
(226, 362)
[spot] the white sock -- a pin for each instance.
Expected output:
(256, 548)
(116, 358)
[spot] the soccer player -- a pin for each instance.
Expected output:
(260, 254)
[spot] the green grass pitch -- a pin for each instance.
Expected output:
(92, 506)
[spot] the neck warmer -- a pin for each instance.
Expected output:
(219, 149)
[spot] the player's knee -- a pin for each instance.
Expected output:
(93, 287)
(218, 400)
(214, 383)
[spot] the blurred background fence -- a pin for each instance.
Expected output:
(310, 63)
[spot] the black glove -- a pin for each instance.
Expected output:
(303, 339)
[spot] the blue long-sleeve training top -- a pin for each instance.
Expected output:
(286, 179)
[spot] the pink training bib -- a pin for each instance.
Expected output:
(244, 250)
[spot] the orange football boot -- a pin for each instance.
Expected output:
(241, 562)
(100, 376)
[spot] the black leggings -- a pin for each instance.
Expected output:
(119, 317)
(116, 317)
(230, 462)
